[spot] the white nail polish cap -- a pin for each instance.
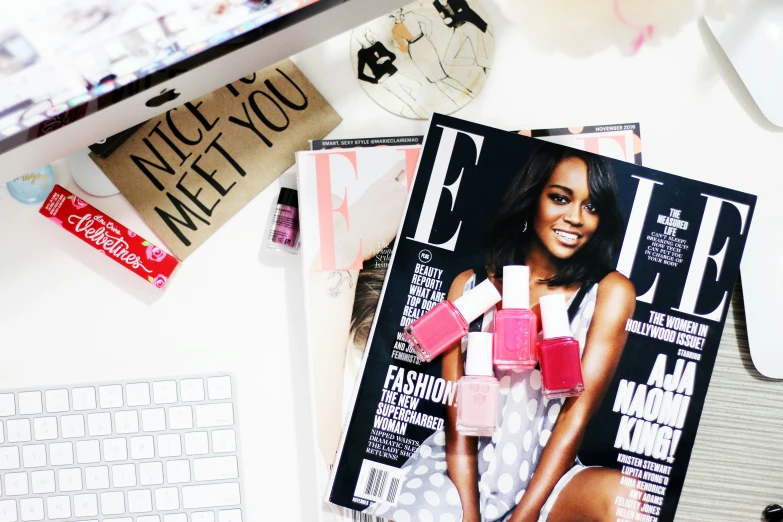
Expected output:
(516, 286)
(477, 300)
(554, 317)
(479, 360)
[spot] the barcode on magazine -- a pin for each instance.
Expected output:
(379, 482)
(357, 516)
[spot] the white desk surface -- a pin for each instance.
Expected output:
(69, 316)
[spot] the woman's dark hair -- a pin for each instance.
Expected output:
(508, 244)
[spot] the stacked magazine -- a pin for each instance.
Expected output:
(645, 260)
(336, 343)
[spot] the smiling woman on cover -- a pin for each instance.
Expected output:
(560, 217)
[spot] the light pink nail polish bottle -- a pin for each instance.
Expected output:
(478, 391)
(558, 351)
(447, 322)
(516, 327)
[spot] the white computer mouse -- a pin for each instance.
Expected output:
(752, 38)
(88, 176)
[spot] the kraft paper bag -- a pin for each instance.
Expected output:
(189, 170)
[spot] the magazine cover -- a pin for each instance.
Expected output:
(340, 304)
(350, 204)
(365, 142)
(618, 140)
(636, 268)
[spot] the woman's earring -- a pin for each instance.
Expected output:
(524, 227)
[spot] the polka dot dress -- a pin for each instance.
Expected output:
(506, 461)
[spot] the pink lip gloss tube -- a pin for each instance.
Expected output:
(558, 351)
(447, 322)
(478, 390)
(516, 327)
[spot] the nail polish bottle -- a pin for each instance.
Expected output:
(447, 322)
(478, 391)
(516, 327)
(558, 351)
(284, 225)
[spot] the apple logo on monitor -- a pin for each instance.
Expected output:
(165, 96)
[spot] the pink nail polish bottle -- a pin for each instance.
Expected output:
(558, 351)
(516, 327)
(447, 322)
(478, 390)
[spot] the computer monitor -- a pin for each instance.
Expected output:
(73, 72)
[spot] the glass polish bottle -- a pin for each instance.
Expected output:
(558, 351)
(478, 390)
(448, 322)
(516, 327)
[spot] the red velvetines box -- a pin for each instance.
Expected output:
(109, 237)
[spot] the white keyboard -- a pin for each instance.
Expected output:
(164, 450)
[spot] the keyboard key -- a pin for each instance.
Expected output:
(15, 484)
(214, 415)
(69, 479)
(8, 511)
(142, 447)
(7, 405)
(166, 499)
(150, 473)
(2, 433)
(176, 517)
(215, 468)
(9, 458)
(99, 424)
(180, 417)
(153, 419)
(140, 501)
(151, 518)
(45, 428)
(58, 507)
(88, 452)
(230, 515)
(126, 422)
(169, 445)
(34, 455)
(224, 441)
(123, 475)
(191, 390)
(57, 401)
(85, 505)
(96, 477)
(114, 450)
(30, 403)
(219, 388)
(210, 495)
(138, 394)
(42, 481)
(177, 471)
(110, 396)
(196, 443)
(83, 398)
(61, 453)
(72, 426)
(202, 516)
(19, 430)
(113, 503)
(164, 392)
(31, 509)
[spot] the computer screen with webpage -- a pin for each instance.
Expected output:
(58, 55)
